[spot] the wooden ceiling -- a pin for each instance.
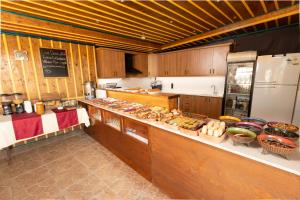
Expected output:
(152, 24)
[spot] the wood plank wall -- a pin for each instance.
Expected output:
(27, 76)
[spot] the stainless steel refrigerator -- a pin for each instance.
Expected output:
(239, 84)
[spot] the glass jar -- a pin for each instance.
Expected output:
(40, 108)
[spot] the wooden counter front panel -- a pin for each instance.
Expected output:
(188, 169)
(168, 102)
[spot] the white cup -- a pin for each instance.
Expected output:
(28, 106)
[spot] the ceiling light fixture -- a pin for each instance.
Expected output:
(143, 37)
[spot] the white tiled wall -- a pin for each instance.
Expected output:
(181, 85)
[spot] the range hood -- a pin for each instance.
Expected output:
(129, 69)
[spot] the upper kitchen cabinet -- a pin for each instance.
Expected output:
(167, 64)
(219, 60)
(110, 63)
(152, 65)
(207, 61)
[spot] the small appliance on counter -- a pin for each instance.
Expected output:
(111, 85)
(6, 101)
(156, 84)
(18, 101)
(89, 90)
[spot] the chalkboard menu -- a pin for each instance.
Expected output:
(54, 62)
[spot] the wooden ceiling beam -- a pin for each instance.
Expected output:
(17, 19)
(130, 26)
(292, 10)
(165, 15)
(193, 14)
(120, 18)
(20, 7)
(153, 18)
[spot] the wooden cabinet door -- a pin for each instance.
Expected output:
(104, 59)
(186, 103)
(194, 67)
(201, 105)
(183, 63)
(118, 64)
(153, 65)
(171, 63)
(110, 63)
(205, 61)
(219, 60)
(161, 65)
(215, 107)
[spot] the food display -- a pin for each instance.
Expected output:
(278, 137)
(214, 128)
(250, 126)
(213, 131)
(283, 126)
(276, 144)
(241, 135)
(186, 123)
(229, 120)
(279, 132)
(257, 121)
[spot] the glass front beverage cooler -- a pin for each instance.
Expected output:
(238, 89)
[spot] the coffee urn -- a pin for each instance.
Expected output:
(89, 90)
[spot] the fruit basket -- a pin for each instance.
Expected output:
(276, 144)
(283, 126)
(283, 133)
(241, 135)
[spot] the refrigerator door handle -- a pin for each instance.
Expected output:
(265, 81)
(265, 86)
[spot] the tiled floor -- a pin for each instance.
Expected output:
(73, 166)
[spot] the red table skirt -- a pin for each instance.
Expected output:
(28, 125)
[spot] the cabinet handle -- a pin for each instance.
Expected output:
(213, 71)
(209, 71)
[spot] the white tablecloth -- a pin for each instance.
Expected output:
(49, 121)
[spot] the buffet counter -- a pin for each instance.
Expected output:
(292, 164)
(180, 164)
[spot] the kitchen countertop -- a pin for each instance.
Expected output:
(193, 93)
(251, 152)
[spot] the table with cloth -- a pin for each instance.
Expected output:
(18, 127)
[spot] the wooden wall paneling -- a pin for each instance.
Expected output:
(5, 77)
(70, 83)
(36, 44)
(35, 70)
(56, 79)
(92, 61)
(76, 67)
(72, 67)
(23, 69)
(50, 82)
(7, 81)
(84, 63)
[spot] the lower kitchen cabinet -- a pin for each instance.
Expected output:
(210, 106)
